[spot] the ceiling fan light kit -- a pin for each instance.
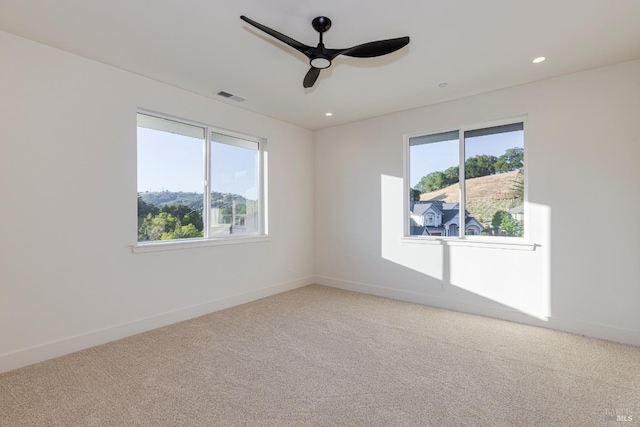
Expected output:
(320, 57)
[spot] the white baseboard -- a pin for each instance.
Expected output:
(40, 353)
(624, 336)
(50, 350)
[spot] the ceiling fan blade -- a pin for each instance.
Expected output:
(377, 48)
(300, 47)
(311, 77)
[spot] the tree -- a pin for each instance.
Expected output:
(193, 218)
(497, 219)
(480, 165)
(431, 182)
(512, 159)
(153, 227)
(414, 194)
(511, 226)
(451, 175)
(183, 232)
(176, 210)
(185, 214)
(145, 208)
(504, 224)
(518, 186)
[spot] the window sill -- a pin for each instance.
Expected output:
(171, 245)
(517, 245)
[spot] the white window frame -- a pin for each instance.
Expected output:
(504, 242)
(262, 233)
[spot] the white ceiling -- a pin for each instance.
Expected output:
(203, 46)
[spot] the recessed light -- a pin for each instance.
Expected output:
(539, 59)
(328, 114)
(443, 84)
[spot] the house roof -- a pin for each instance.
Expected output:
(517, 210)
(449, 212)
(418, 231)
(421, 208)
(472, 221)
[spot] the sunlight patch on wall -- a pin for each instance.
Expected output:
(514, 279)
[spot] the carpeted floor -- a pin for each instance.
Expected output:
(325, 357)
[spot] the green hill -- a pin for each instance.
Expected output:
(162, 198)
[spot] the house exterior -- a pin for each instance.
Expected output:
(235, 223)
(434, 218)
(517, 212)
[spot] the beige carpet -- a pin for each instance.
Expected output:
(326, 357)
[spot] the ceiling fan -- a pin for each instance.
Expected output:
(321, 57)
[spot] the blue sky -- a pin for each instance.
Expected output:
(438, 156)
(173, 162)
(233, 170)
(168, 161)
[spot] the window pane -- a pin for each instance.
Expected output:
(494, 181)
(434, 176)
(234, 186)
(170, 179)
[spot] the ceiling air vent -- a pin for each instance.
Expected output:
(228, 95)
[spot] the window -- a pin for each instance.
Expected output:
(235, 185)
(482, 195)
(430, 218)
(184, 167)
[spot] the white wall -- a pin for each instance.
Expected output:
(583, 152)
(68, 278)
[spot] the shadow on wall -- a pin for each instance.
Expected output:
(481, 277)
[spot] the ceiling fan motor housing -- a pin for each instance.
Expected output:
(321, 24)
